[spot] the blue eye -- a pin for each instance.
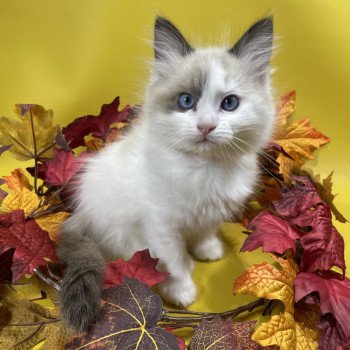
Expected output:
(230, 103)
(185, 101)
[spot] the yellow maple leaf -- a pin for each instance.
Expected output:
(32, 136)
(284, 331)
(285, 108)
(299, 140)
(51, 223)
(269, 282)
(21, 196)
(24, 199)
(29, 324)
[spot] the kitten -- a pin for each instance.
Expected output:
(185, 168)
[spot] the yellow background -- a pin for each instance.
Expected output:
(73, 55)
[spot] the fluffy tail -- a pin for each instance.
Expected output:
(81, 285)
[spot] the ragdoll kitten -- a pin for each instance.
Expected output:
(188, 165)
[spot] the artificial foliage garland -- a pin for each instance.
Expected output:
(304, 302)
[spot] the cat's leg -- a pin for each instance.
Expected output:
(170, 248)
(206, 245)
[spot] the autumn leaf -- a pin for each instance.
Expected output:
(52, 222)
(33, 136)
(17, 181)
(285, 108)
(22, 289)
(333, 292)
(266, 281)
(270, 174)
(97, 126)
(4, 149)
(219, 334)
(6, 257)
(272, 233)
(324, 189)
(3, 193)
(31, 287)
(61, 141)
(323, 246)
(32, 244)
(282, 330)
(299, 140)
(25, 200)
(22, 196)
(128, 319)
(301, 196)
(333, 336)
(28, 325)
(141, 266)
(61, 169)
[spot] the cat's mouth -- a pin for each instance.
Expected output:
(205, 144)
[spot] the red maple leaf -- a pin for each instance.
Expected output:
(61, 169)
(303, 195)
(273, 234)
(323, 246)
(333, 337)
(32, 244)
(333, 292)
(141, 267)
(6, 257)
(98, 126)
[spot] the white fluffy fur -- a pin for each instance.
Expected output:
(162, 187)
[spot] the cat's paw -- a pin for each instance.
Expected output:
(210, 248)
(178, 291)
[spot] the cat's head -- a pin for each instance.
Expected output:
(210, 100)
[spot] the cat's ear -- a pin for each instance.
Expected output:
(168, 41)
(256, 45)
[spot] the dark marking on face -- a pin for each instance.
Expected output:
(193, 83)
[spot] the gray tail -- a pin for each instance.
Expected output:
(80, 293)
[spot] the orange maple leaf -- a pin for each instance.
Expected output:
(266, 281)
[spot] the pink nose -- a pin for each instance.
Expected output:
(205, 129)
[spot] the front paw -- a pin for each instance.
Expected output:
(178, 291)
(209, 248)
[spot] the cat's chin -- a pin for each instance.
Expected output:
(202, 147)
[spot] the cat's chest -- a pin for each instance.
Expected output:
(205, 190)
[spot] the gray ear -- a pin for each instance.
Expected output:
(168, 40)
(256, 44)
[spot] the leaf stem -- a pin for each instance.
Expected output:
(50, 210)
(35, 155)
(41, 323)
(167, 317)
(46, 149)
(29, 336)
(47, 279)
(45, 202)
